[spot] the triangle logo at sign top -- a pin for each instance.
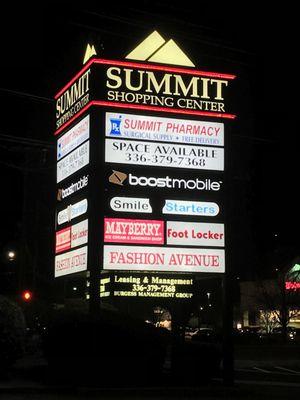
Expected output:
(89, 52)
(147, 47)
(170, 53)
(154, 48)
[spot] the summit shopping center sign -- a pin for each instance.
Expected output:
(147, 135)
(144, 85)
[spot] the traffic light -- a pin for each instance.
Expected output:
(26, 295)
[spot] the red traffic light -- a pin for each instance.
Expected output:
(26, 295)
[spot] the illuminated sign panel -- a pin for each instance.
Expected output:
(168, 259)
(292, 285)
(71, 101)
(164, 155)
(133, 231)
(72, 236)
(63, 240)
(79, 233)
(71, 262)
(195, 208)
(62, 193)
(195, 234)
(169, 182)
(142, 127)
(73, 137)
(147, 286)
(130, 204)
(72, 211)
(73, 162)
(143, 86)
(124, 109)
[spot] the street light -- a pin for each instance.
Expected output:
(11, 255)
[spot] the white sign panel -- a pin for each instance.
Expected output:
(71, 262)
(79, 233)
(159, 129)
(72, 211)
(196, 208)
(130, 204)
(73, 162)
(166, 259)
(164, 154)
(195, 234)
(73, 137)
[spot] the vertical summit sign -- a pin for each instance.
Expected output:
(154, 120)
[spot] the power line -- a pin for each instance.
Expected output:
(29, 95)
(26, 141)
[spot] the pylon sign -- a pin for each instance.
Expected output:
(140, 164)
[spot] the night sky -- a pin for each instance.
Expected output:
(42, 48)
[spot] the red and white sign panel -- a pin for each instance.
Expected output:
(79, 233)
(63, 240)
(73, 137)
(72, 236)
(71, 262)
(195, 234)
(164, 154)
(121, 230)
(142, 127)
(166, 259)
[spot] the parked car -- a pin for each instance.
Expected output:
(248, 334)
(207, 335)
(291, 333)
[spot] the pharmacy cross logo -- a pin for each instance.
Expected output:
(115, 126)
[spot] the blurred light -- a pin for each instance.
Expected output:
(74, 288)
(239, 325)
(26, 295)
(11, 255)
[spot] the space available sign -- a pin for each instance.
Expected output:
(164, 155)
(130, 204)
(144, 127)
(170, 259)
(73, 162)
(195, 234)
(72, 211)
(72, 236)
(195, 208)
(121, 230)
(73, 137)
(71, 262)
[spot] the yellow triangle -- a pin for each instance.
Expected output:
(170, 53)
(89, 52)
(147, 47)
